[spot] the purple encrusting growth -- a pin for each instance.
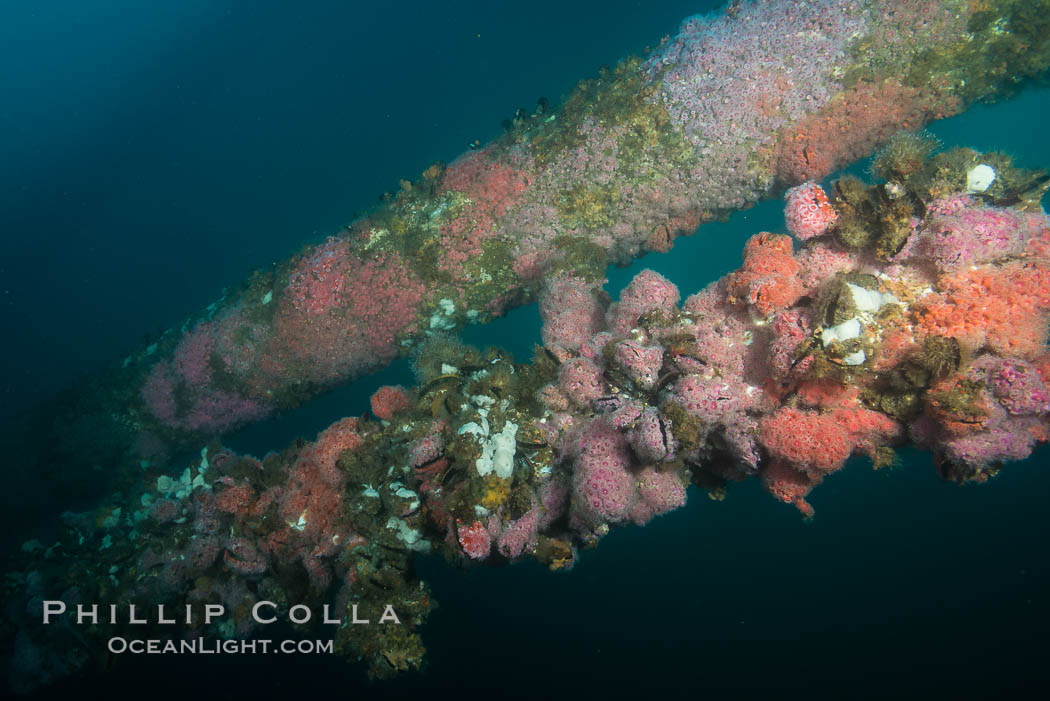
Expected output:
(720, 115)
(1020, 389)
(657, 493)
(603, 487)
(519, 534)
(648, 292)
(582, 381)
(713, 400)
(649, 397)
(651, 437)
(1003, 439)
(962, 234)
(488, 460)
(426, 449)
(1015, 401)
(640, 363)
(769, 64)
(572, 310)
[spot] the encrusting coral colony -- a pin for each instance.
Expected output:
(909, 311)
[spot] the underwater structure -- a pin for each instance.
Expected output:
(909, 311)
(726, 112)
(913, 311)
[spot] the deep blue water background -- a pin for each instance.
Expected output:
(154, 153)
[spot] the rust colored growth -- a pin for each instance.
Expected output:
(868, 114)
(662, 237)
(434, 170)
(389, 400)
(769, 278)
(1004, 307)
(660, 240)
(431, 474)
(826, 392)
(958, 406)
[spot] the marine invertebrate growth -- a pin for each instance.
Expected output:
(492, 461)
(725, 112)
